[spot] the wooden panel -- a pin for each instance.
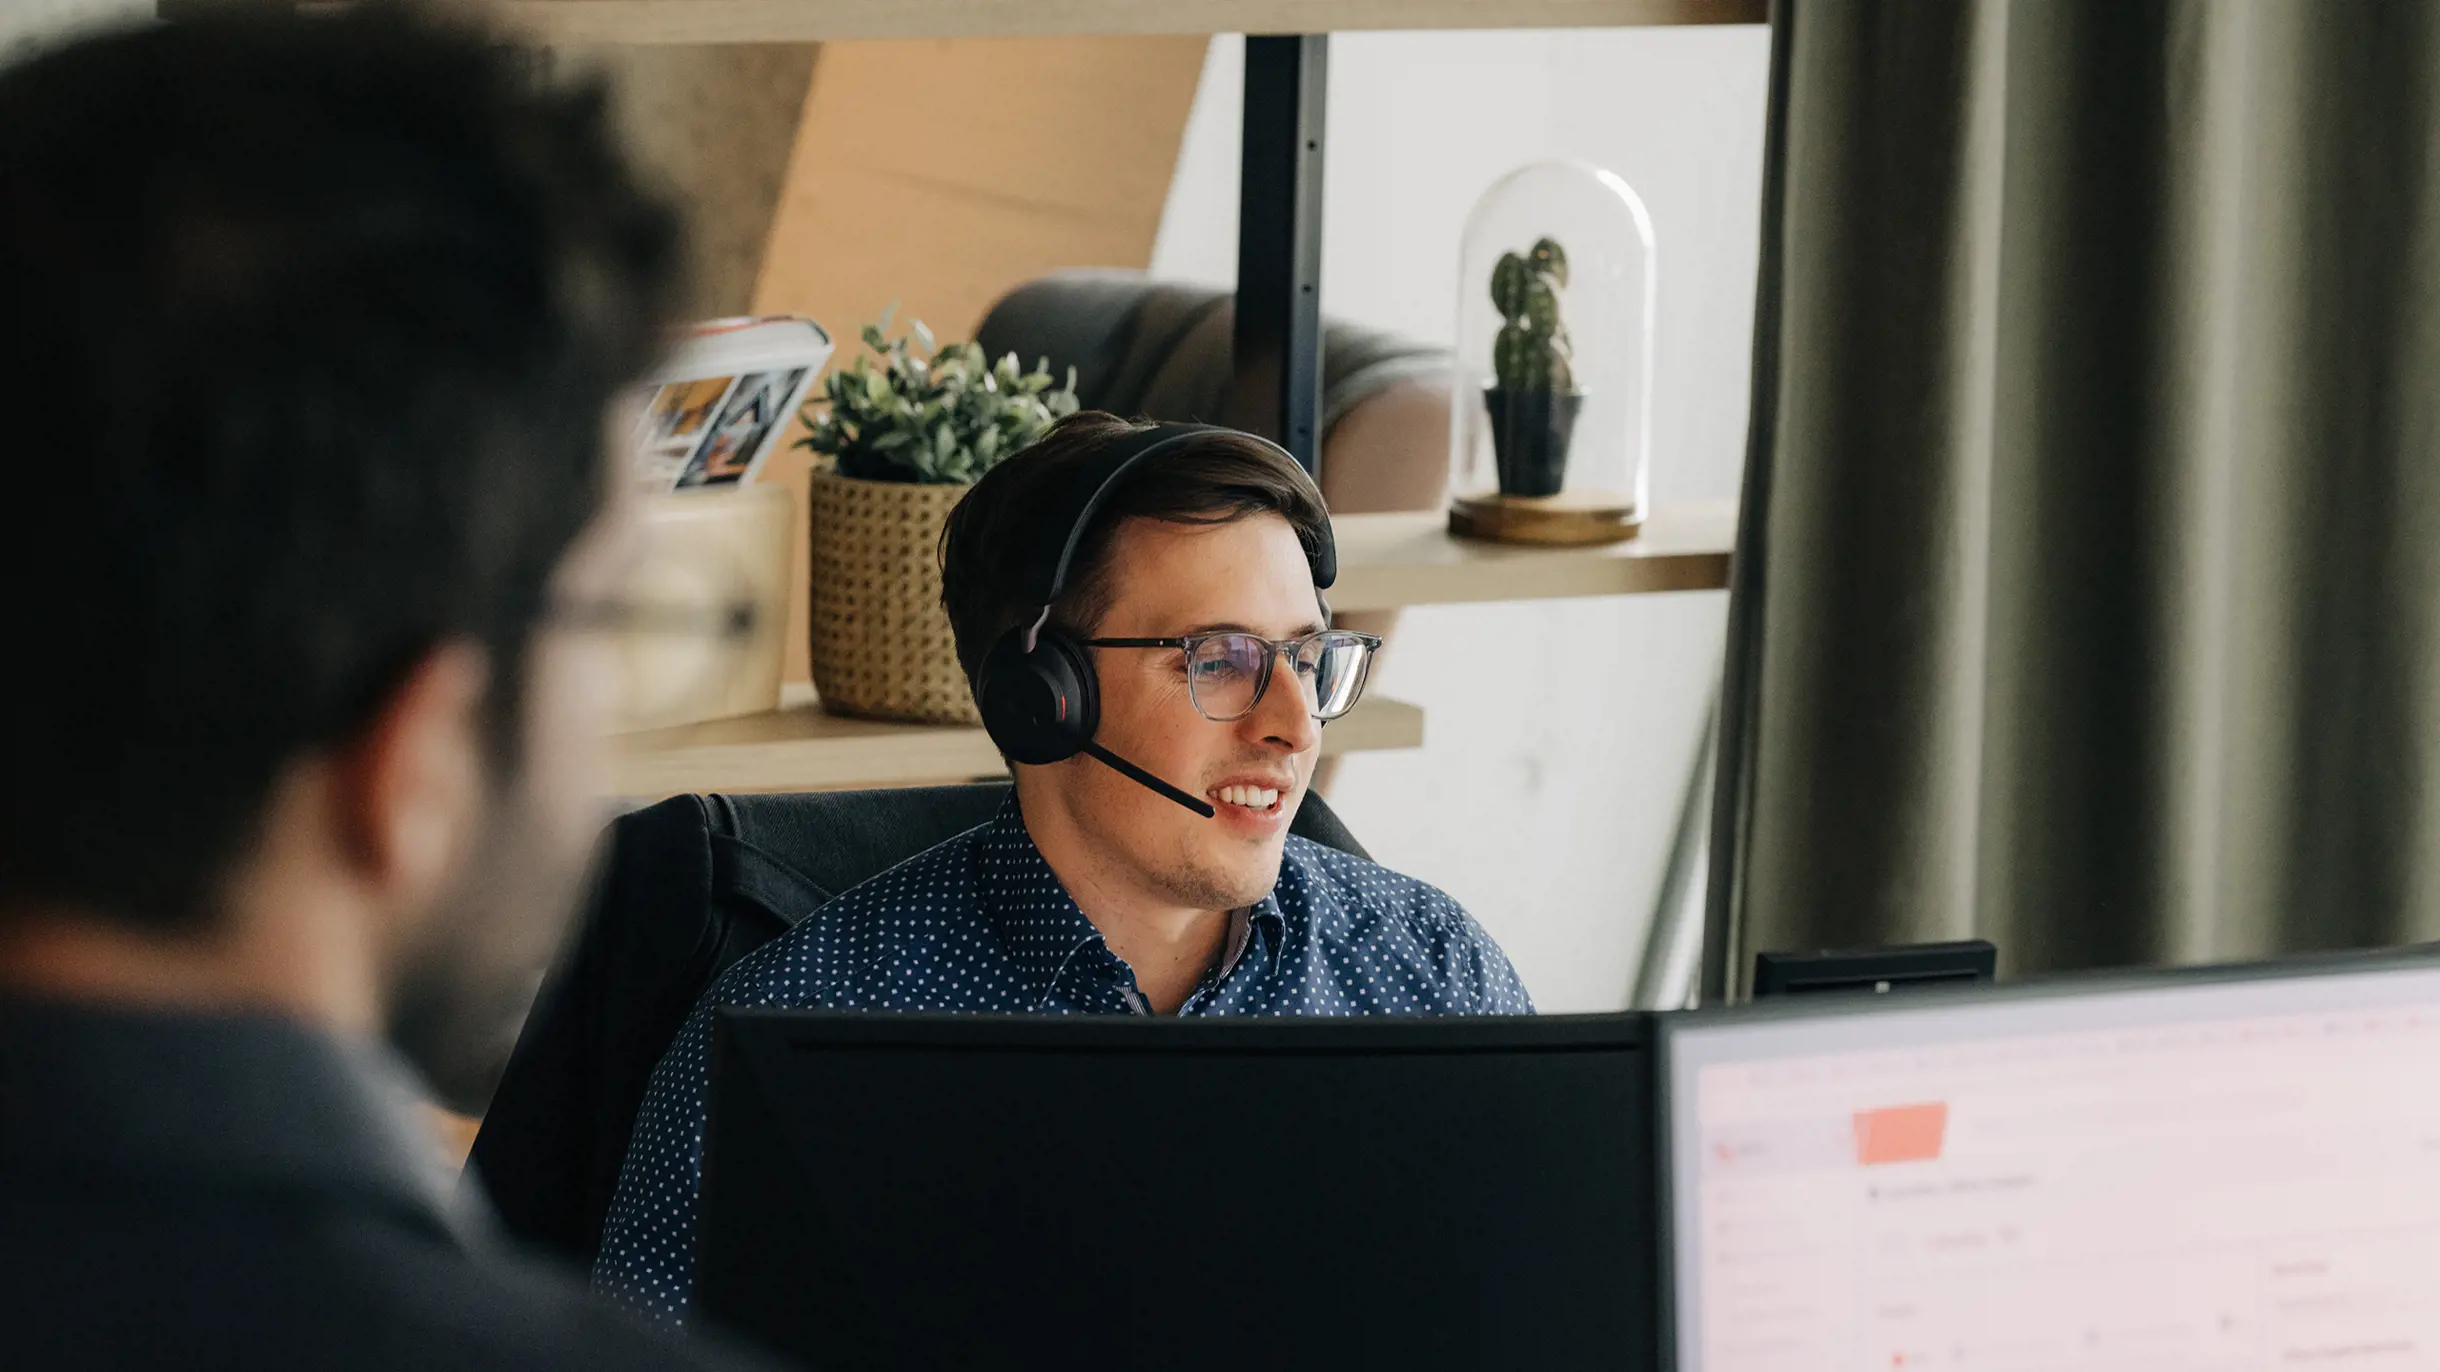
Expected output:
(1391, 560)
(717, 125)
(939, 174)
(799, 748)
(765, 21)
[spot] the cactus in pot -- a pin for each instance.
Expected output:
(1533, 399)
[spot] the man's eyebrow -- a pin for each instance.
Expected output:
(1310, 626)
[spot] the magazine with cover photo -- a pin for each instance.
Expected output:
(719, 404)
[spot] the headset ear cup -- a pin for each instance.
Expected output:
(1070, 663)
(1010, 699)
(1039, 707)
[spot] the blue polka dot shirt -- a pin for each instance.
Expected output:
(979, 923)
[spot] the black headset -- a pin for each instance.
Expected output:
(1036, 689)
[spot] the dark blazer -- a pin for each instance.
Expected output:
(689, 886)
(241, 1192)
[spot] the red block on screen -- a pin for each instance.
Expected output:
(1900, 1133)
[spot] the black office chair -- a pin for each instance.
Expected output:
(688, 887)
(1161, 349)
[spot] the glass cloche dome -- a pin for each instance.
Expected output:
(1550, 433)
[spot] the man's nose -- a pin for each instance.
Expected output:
(1284, 715)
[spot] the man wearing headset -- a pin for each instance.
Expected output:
(1140, 611)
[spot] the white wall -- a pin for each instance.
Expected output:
(1559, 735)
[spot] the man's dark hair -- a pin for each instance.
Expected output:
(1002, 540)
(308, 329)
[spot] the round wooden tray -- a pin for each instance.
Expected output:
(1570, 517)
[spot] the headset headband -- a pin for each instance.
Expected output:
(1123, 459)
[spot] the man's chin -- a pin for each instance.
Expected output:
(1229, 875)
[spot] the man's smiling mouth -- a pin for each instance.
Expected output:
(1247, 797)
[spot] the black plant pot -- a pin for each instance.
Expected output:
(1530, 433)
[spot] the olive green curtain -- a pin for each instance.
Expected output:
(2089, 588)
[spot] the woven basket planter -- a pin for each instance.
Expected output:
(881, 642)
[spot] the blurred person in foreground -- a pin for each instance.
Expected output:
(310, 331)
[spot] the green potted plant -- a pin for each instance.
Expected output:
(897, 438)
(1533, 399)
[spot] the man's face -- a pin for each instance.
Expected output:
(1174, 579)
(461, 990)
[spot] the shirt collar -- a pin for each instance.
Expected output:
(1045, 931)
(246, 1100)
(1267, 926)
(1040, 925)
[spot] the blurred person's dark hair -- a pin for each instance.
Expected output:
(307, 335)
(1000, 540)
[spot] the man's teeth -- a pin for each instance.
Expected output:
(1251, 797)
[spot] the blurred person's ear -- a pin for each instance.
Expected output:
(409, 792)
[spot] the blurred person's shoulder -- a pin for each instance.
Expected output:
(231, 1191)
(295, 1288)
(136, 1271)
(448, 1310)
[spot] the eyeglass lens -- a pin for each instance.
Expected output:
(1225, 674)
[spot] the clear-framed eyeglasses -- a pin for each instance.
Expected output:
(1226, 673)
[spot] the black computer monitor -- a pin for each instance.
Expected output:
(1908, 967)
(2233, 1167)
(899, 1191)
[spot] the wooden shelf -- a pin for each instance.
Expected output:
(802, 21)
(799, 748)
(1387, 561)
